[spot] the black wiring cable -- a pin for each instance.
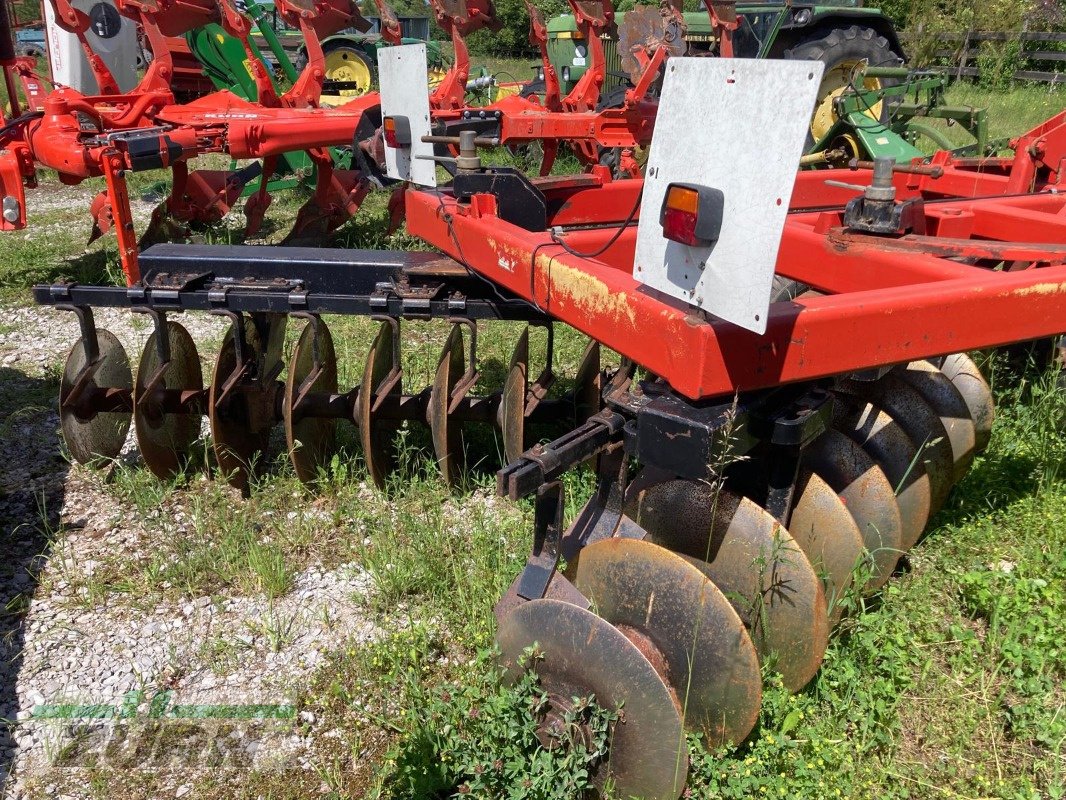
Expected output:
(462, 260)
(614, 238)
(533, 270)
(533, 258)
(19, 121)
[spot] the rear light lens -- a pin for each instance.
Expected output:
(692, 215)
(397, 131)
(680, 226)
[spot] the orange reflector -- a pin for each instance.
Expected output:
(397, 131)
(682, 198)
(692, 214)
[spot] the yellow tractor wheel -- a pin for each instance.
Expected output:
(834, 81)
(348, 65)
(845, 52)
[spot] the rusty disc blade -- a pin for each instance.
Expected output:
(886, 443)
(166, 438)
(446, 434)
(940, 393)
(961, 370)
(828, 535)
(583, 655)
(588, 385)
(380, 379)
(692, 628)
(867, 494)
(237, 440)
(311, 441)
(511, 415)
(104, 434)
(921, 424)
(752, 559)
(642, 30)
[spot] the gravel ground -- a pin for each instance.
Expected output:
(65, 654)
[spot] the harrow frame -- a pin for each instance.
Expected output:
(878, 290)
(826, 442)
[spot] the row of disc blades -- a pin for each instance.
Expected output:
(682, 621)
(166, 401)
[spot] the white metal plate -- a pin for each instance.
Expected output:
(737, 125)
(405, 92)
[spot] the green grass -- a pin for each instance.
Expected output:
(1014, 112)
(949, 685)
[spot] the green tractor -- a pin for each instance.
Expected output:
(867, 105)
(351, 69)
(841, 35)
(351, 56)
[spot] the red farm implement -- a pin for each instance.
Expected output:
(792, 397)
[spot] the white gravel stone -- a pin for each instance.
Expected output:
(76, 648)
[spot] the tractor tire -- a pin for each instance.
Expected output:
(346, 63)
(840, 50)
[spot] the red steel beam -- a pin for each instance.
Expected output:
(942, 307)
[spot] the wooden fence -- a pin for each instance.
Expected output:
(1038, 59)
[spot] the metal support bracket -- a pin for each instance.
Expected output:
(603, 516)
(547, 534)
(162, 349)
(546, 462)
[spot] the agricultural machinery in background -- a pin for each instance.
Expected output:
(790, 404)
(351, 55)
(865, 92)
(840, 35)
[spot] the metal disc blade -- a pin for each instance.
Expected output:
(886, 443)
(961, 370)
(642, 30)
(828, 535)
(867, 494)
(940, 393)
(588, 384)
(753, 560)
(447, 434)
(104, 434)
(311, 441)
(512, 412)
(921, 424)
(377, 435)
(164, 438)
(709, 656)
(238, 442)
(583, 655)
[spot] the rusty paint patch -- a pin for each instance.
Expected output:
(1042, 289)
(586, 291)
